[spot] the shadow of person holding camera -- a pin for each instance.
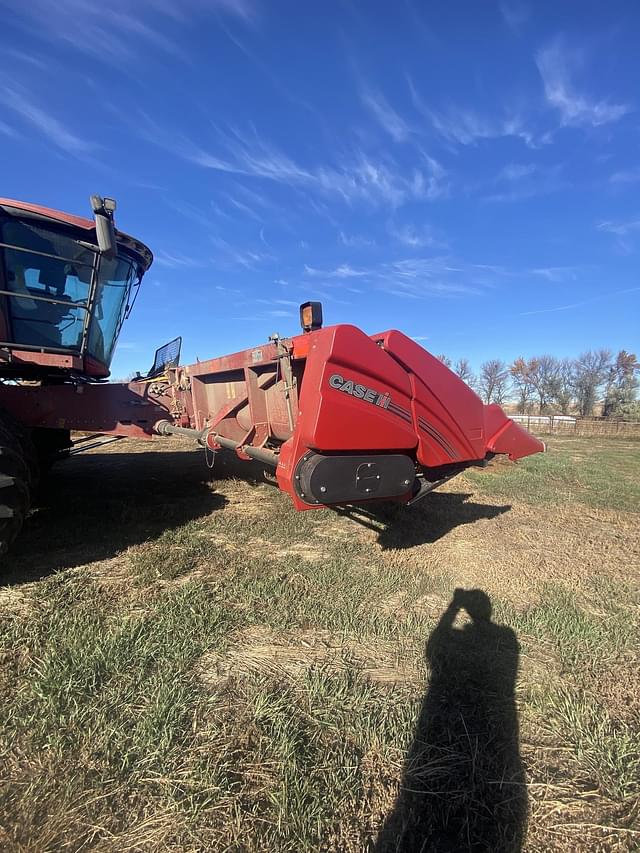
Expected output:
(463, 786)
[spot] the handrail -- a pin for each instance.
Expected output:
(43, 348)
(30, 295)
(48, 254)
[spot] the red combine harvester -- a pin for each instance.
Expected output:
(343, 417)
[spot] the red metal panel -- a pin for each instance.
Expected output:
(506, 436)
(452, 422)
(113, 409)
(442, 399)
(433, 427)
(87, 366)
(50, 213)
(333, 419)
(235, 361)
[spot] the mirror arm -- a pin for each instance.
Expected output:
(103, 210)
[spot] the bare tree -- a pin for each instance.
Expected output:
(444, 359)
(544, 377)
(622, 383)
(463, 369)
(520, 372)
(591, 371)
(564, 388)
(494, 381)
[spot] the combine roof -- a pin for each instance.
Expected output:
(37, 211)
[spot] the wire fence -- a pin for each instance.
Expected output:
(564, 425)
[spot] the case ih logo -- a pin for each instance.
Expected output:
(361, 392)
(369, 395)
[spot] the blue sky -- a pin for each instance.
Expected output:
(466, 172)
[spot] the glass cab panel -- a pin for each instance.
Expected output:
(61, 295)
(50, 276)
(116, 278)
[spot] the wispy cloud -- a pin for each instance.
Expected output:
(414, 278)
(624, 232)
(521, 181)
(517, 171)
(115, 37)
(553, 310)
(515, 14)
(608, 297)
(253, 198)
(447, 276)
(224, 289)
(7, 130)
(355, 241)
(28, 59)
(247, 258)
(57, 133)
(244, 208)
(558, 64)
(263, 239)
(621, 229)
(176, 260)
(627, 176)
(417, 237)
(194, 213)
(358, 179)
(566, 272)
(464, 126)
(266, 70)
(556, 274)
(386, 116)
(433, 182)
(342, 271)
(245, 9)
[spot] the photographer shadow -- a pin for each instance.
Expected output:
(463, 786)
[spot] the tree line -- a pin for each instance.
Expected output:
(545, 384)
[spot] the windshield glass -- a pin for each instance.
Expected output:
(116, 279)
(49, 290)
(51, 277)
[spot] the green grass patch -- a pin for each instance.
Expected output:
(607, 749)
(583, 640)
(247, 678)
(574, 471)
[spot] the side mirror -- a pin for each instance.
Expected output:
(105, 231)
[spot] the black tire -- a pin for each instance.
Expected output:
(16, 437)
(19, 478)
(15, 498)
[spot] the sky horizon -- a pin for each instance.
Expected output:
(467, 174)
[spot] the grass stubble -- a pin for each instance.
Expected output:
(242, 677)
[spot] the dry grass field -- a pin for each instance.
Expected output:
(188, 665)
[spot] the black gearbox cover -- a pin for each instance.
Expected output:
(350, 479)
